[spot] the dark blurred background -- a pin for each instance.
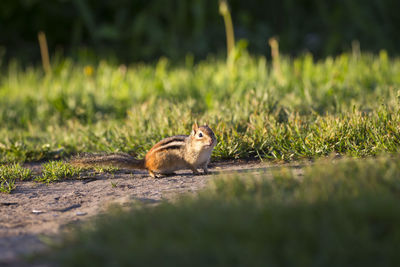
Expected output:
(132, 30)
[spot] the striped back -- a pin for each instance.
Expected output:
(169, 143)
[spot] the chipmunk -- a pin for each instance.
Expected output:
(167, 156)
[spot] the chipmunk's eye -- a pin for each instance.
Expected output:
(200, 134)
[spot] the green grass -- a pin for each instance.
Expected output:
(52, 171)
(9, 174)
(58, 170)
(344, 213)
(347, 105)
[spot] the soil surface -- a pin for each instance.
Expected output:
(33, 212)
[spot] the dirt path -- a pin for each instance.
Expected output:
(34, 211)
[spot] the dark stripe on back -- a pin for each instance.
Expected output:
(172, 139)
(168, 148)
(175, 138)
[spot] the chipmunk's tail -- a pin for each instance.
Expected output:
(121, 160)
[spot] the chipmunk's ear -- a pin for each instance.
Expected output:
(194, 128)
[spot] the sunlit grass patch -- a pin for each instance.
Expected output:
(260, 135)
(9, 174)
(54, 171)
(344, 104)
(57, 170)
(332, 215)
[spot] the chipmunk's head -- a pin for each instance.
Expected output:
(203, 137)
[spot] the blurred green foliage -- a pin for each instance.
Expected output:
(145, 30)
(343, 213)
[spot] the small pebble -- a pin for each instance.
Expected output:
(37, 211)
(81, 213)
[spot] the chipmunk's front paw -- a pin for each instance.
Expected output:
(205, 170)
(195, 171)
(156, 175)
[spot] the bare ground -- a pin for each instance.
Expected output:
(34, 211)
